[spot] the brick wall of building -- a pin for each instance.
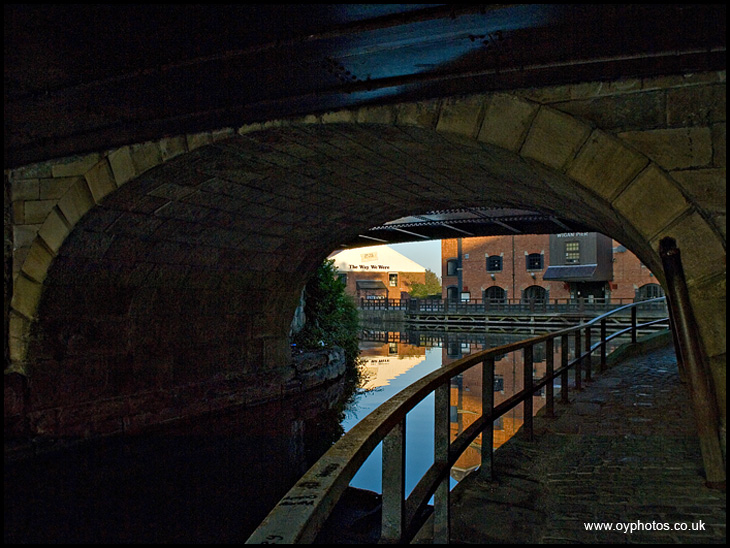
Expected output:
(405, 279)
(629, 274)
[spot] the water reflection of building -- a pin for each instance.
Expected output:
(466, 393)
(387, 357)
(466, 389)
(381, 362)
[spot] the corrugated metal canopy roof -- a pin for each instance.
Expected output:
(467, 222)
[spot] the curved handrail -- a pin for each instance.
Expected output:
(301, 513)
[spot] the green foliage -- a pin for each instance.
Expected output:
(431, 288)
(332, 317)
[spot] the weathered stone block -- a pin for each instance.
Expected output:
(621, 112)
(705, 187)
(33, 171)
(75, 166)
(36, 211)
(53, 189)
(76, 202)
(122, 165)
(25, 189)
(101, 180)
(172, 146)
(376, 115)
(709, 305)
(605, 165)
(37, 262)
(719, 145)
(554, 138)
(652, 201)
(54, 231)
(674, 148)
(703, 254)
(506, 121)
(146, 156)
(691, 106)
(18, 212)
(338, 116)
(26, 296)
(222, 134)
(423, 113)
(462, 115)
(720, 223)
(18, 326)
(547, 95)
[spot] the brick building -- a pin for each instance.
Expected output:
(537, 267)
(377, 272)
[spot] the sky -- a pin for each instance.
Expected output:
(427, 254)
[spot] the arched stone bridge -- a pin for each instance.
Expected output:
(159, 279)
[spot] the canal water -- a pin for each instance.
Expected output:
(213, 480)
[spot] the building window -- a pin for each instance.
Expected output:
(534, 261)
(451, 267)
(498, 383)
(452, 293)
(342, 278)
(495, 295)
(649, 291)
(534, 294)
(393, 280)
(494, 263)
(572, 252)
(453, 349)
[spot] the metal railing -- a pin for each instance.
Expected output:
(301, 513)
(496, 306)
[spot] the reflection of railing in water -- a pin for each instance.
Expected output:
(509, 306)
(473, 337)
(303, 511)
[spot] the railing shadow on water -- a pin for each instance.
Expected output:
(302, 512)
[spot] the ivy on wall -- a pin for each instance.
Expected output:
(331, 315)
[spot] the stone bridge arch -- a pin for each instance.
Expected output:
(161, 277)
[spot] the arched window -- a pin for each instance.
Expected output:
(452, 293)
(534, 261)
(494, 263)
(451, 267)
(495, 295)
(534, 294)
(649, 291)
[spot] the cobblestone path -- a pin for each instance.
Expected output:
(624, 453)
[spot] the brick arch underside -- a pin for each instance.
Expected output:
(178, 289)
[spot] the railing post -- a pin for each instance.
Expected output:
(589, 359)
(394, 484)
(677, 346)
(549, 369)
(702, 394)
(442, 435)
(604, 350)
(527, 385)
(634, 312)
(578, 361)
(486, 470)
(563, 363)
